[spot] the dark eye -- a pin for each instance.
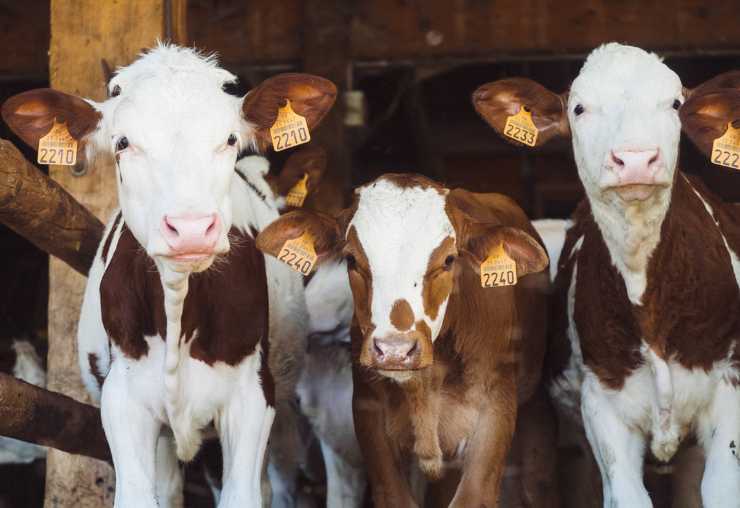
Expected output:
(676, 104)
(578, 110)
(116, 91)
(351, 261)
(449, 261)
(121, 144)
(232, 140)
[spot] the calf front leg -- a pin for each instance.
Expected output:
(719, 434)
(170, 481)
(132, 430)
(619, 450)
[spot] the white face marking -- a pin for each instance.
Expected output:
(399, 229)
(177, 120)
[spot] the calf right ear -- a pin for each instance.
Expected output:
(480, 239)
(324, 229)
(499, 100)
(310, 161)
(31, 116)
(709, 108)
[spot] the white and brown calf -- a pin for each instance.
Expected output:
(439, 363)
(184, 323)
(646, 345)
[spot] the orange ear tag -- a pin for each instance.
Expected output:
(521, 128)
(299, 253)
(289, 130)
(298, 193)
(58, 146)
(498, 270)
(726, 150)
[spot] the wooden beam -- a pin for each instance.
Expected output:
(38, 416)
(84, 33)
(39, 209)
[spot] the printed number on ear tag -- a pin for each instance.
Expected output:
(299, 253)
(289, 130)
(58, 146)
(726, 150)
(298, 193)
(498, 270)
(521, 128)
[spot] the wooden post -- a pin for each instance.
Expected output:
(87, 36)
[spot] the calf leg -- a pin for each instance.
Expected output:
(169, 473)
(132, 430)
(618, 449)
(719, 434)
(345, 482)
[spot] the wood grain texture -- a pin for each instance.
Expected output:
(83, 34)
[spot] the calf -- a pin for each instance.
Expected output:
(439, 362)
(185, 325)
(646, 349)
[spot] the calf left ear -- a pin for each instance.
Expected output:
(479, 240)
(709, 108)
(310, 97)
(310, 161)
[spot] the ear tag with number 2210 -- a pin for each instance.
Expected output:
(58, 146)
(299, 253)
(289, 130)
(498, 270)
(298, 193)
(521, 128)
(726, 150)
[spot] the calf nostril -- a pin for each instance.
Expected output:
(376, 350)
(617, 160)
(413, 351)
(172, 228)
(652, 161)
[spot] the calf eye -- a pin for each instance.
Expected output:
(676, 104)
(351, 261)
(121, 144)
(232, 140)
(578, 110)
(449, 261)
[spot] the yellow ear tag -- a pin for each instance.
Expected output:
(299, 253)
(498, 270)
(521, 128)
(289, 130)
(58, 146)
(726, 150)
(298, 193)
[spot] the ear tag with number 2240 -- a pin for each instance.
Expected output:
(290, 129)
(521, 128)
(299, 253)
(726, 150)
(58, 146)
(498, 270)
(298, 193)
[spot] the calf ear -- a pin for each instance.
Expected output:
(327, 238)
(499, 100)
(709, 108)
(480, 239)
(310, 161)
(31, 116)
(310, 97)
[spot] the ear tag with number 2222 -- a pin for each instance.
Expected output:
(298, 193)
(299, 253)
(498, 270)
(290, 129)
(58, 146)
(726, 150)
(521, 128)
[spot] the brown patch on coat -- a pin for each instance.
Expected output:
(402, 317)
(438, 279)
(92, 359)
(408, 181)
(109, 238)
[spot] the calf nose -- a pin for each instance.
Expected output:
(191, 233)
(395, 352)
(636, 167)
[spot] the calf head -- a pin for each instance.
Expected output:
(175, 135)
(622, 113)
(403, 241)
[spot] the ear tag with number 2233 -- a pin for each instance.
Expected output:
(521, 128)
(58, 146)
(299, 253)
(298, 193)
(726, 150)
(498, 270)
(290, 129)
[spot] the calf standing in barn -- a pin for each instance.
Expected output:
(646, 349)
(439, 362)
(184, 323)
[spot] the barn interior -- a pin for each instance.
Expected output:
(405, 70)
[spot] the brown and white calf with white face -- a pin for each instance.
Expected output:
(439, 362)
(646, 347)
